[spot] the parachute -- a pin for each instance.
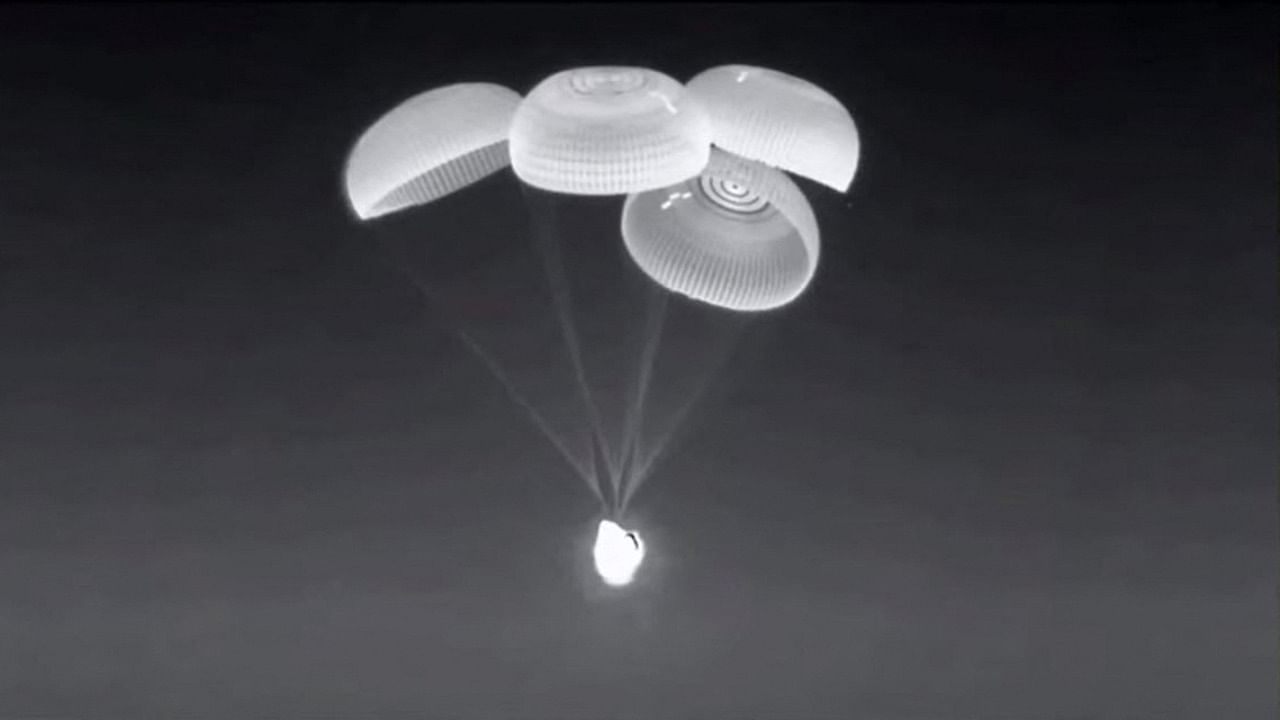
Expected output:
(608, 131)
(429, 146)
(709, 214)
(739, 236)
(780, 120)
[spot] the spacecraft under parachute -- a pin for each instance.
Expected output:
(709, 213)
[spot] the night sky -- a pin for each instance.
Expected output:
(1011, 457)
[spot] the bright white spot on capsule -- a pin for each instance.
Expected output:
(618, 553)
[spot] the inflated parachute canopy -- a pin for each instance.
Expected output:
(608, 131)
(429, 146)
(740, 236)
(723, 226)
(781, 121)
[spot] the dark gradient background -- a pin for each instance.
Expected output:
(1012, 457)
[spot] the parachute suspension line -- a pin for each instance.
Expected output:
(610, 499)
(585, 470)
(633, 429)
(553, 265)
(677, 420)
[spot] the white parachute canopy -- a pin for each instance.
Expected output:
(710, 211)
(429, 146)
(618, 553)
(780, 120)
(608, 131)
(740, 236)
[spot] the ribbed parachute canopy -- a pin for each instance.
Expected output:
(780, 120)
(429, 146)
(608, 131)
(740, 236)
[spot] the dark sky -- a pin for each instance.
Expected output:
(1011, 457)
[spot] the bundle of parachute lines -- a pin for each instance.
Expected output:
(710, 212)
